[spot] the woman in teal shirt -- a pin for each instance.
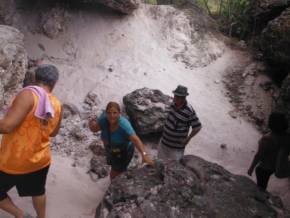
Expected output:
(119, 139)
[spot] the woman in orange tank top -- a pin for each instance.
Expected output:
(24, 153)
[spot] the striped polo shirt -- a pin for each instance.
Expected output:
(177, 125)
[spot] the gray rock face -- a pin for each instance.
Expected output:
(147, 110)
(124, 6)
(270, 19)
(262, 11)
(99, 168)
(53, 22)
(92, 100)
(275, 40)
(13, 63)
(69, 109)
(192, 188)
(7, 9)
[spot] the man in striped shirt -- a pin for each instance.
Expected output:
(175, 134)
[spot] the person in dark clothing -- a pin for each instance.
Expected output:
(265, 159)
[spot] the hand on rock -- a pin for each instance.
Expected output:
(148, 160)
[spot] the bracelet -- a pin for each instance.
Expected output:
(144, 153)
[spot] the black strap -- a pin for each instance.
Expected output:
(109, 133)
(110, 145)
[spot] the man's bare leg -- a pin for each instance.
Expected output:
(8, 206)
(39, 204)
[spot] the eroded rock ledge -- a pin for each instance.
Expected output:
(192, 188)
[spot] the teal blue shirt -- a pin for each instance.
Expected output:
(121, 135)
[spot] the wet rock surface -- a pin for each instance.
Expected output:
(147, 109)
(191, 188)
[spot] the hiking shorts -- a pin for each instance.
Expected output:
(30, 184)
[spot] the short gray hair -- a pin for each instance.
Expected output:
(47, 74)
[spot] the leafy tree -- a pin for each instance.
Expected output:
(231, 14)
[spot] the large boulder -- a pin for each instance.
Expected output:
(147, 109)
(275, 41)
(192, 188)
(13, 63)
(262, 11)
(123, 6)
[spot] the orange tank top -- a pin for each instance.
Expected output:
(26, 149)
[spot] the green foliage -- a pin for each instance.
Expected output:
(151, 2)
(232, 15)
(211, 6)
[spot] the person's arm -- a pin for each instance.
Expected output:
(195, 127)
(21, 106)
(257, 157)
(56, 129)
(255, 161)
(140, 146)
(94, 126)
(194, 131)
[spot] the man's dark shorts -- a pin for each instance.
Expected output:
(31, 184)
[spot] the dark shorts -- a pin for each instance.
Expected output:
(30, 184)
(121, 164)
(263, 176)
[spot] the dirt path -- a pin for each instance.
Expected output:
(70, 190)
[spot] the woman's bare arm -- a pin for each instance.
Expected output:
(140, 146)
